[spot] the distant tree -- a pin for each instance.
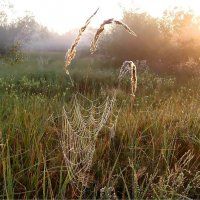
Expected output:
(145, 46)
(16, 33)
(182, 31)
(168, 41)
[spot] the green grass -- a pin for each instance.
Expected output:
(154, 154)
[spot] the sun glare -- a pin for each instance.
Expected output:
(62, 15)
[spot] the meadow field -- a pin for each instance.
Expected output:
(153, 154)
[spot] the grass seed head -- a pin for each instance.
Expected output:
(71, 53)
(100, 30)
(129, 67)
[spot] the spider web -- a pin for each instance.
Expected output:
(82, 124)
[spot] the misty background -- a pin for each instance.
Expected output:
(168, 44)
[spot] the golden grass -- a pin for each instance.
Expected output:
(129, 67)
(71, 53)
(101, 29)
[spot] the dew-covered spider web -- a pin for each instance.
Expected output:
(82, 123)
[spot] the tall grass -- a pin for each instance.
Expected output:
(154, 154)
(152, 151)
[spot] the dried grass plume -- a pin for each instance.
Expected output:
(129, 67)
(71, 53)
(101, 29)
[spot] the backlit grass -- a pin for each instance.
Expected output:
(155, 151)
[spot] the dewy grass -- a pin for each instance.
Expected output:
(154, 154)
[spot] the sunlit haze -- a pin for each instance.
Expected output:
(63, 15)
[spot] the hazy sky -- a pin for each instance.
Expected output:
(62, 15)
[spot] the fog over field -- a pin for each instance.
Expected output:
(99, 99)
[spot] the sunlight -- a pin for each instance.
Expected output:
(87, 113)
(62, 15)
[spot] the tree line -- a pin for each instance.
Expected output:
(164, 42)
